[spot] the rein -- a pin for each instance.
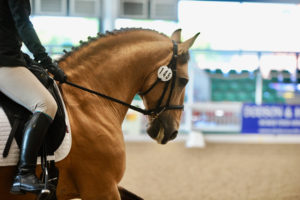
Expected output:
(154, 113)
(145, 112)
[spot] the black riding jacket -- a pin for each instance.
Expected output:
(15, 28)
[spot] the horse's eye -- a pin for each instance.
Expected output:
(183, 81)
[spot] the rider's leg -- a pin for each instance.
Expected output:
(19, 84)
(33, 137)
(22, 86)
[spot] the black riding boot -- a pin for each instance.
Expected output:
(34, 134)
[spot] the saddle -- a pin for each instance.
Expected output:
(19, 115)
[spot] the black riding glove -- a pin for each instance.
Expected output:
(54, 69)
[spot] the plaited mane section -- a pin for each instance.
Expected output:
(100, 36)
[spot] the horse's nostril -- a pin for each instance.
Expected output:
(174, 135)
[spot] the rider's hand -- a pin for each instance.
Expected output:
(54, 69)
(58, 73)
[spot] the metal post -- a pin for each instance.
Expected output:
(109, 15)
(195, 139)
(259, 83)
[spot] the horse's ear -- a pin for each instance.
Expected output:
(184, 46)
(176, 36)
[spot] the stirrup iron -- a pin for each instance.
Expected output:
(45, 193)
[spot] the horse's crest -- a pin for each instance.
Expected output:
(91, 39)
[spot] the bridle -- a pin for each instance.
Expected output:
(155, 112)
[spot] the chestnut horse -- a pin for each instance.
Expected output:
(119, 64)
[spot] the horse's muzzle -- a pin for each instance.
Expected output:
(171, 137)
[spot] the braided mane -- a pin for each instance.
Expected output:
(100, 36)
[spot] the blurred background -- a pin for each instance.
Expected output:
(240, 130)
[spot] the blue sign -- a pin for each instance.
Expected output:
(271, 119)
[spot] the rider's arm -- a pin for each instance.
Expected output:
(20, 10)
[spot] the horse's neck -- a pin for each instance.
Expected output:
(109, 82)
(119, 74)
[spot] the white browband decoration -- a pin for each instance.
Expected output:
(164, 73)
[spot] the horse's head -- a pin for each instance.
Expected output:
(165, 92)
